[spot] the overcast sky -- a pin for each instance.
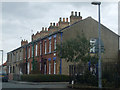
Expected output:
(18, 19)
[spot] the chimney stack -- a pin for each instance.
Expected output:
(23, 42)
(75, 18)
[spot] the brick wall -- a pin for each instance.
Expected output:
(44, 56)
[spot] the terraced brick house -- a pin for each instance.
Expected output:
(42, 48)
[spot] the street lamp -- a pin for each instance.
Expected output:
(2, 59)
(99, 53)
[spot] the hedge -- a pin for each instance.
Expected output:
(45, 78)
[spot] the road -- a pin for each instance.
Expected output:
(34, 85)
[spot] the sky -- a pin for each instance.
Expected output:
(19, 18)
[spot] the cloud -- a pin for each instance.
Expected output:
(20, 17)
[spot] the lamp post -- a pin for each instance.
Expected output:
(2, 59)
(99, 53)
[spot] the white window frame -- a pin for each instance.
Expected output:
(28, 68)
(45, 66)
(29, 52)
(31, 66)
(32, 51)
(55, 43)
(54, 67)
(9, 69)
(49, 67)
(50, 45)
(92, 43)
(21, 71)
(45, 47)
(36, 50)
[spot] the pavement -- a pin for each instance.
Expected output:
(38, 83)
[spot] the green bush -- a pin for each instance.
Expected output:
(87, 78)
(35, 72)
(45, 78)
(111, 78)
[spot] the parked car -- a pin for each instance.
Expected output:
(3, 76)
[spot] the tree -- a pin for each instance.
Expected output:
(75, 50)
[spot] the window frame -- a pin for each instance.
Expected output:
(36, 48)
(49, 67)
(45, 47)
(50, 46)
(55, 43)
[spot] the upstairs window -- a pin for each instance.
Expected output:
(54, 43)
(54, 67)
(16, 56)
(36, 50)
(92, 43)
(29, 52)
(49, 67)
(40, 48)
(45, 47)
(32, 51)
(20, 55)
(50, 46)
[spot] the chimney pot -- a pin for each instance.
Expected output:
(66, 19)
(79, 13)
(63, 19)
(42, 28)
(56, 24)
(75, 13)
(72, 13)
(45, 28)
(60, 19)
(50, 24)
(53, 24)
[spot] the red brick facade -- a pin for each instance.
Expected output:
(43, 58)
(50, 61)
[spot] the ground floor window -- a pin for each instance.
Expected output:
(28, 68)
(93, 70)
(45, 68)
(13, 69)
(49, 67)
(9, 69)
(31, 67)
(21, 71)
(54, 67)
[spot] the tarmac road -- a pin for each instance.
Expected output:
(14, 84)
